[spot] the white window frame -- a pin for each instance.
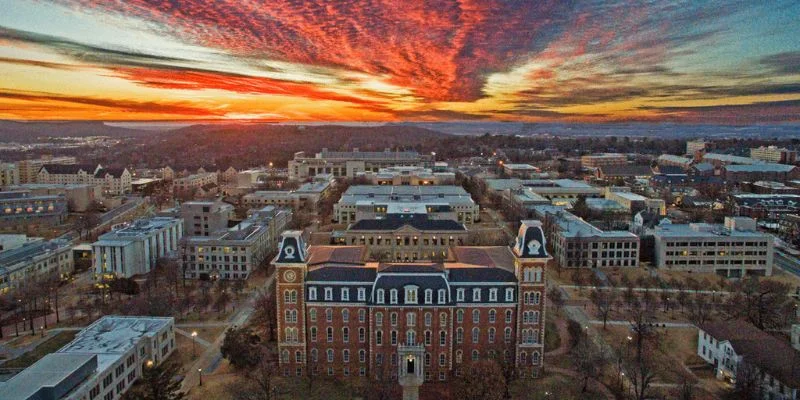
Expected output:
(312, 293)
(476, 295)
(460, 294)
(362, 294)
(345, 294)
(328, 294)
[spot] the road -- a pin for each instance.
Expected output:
(787, 262)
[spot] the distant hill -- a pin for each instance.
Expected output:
(28, 132)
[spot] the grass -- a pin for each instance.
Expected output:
(556, 386)
(49, 346)
(552, 339)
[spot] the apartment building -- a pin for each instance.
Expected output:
(764, 206)
(9, 174)
(524, 171)
(734, 249)
(79, 195)
(670, 160)
(102, 362)
(727, 344)
(603, 160)
(719, 159)
(33, 260)
(201, 218)
(760, 172)
(350, 163)
(342, 316)
(29, 169)
(695, 146)
(136, 248)
(304, 198)
(236, 252)
(375, 201)
(114, 181)
(407, 176)
(405, 237)
(20, 210)
(635, 202)
(774, 154)
(191, 183)
(579, 244)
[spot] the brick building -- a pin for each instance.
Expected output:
(340, 314)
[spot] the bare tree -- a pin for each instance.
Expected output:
(603, 300)
(589, 360)
(748, 383)
(764, 303)
(258, 381)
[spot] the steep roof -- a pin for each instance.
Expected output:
(417, 221)
(69, 169)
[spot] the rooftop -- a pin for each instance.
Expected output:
(140, 228)
(704, 230)
(572, 226)
(417, 221)
(30, 251)
(728, 158)
(51, 371)
(766, 167)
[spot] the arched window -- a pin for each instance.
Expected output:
(362, 335)
(378, 318)
(312, 293)
(314, 355)
(285, 356)
(460, 316)
(330, 355)
(346, 335)
(476, 333)
(393, 296)
(362, 315)
(378, 338)
(428, 296)
(312, 314)
(345, 355)
(442, 338)
(441, 296)
(379, 296)
(345, 315)
(427, 359)
(491, 335)
(411, 337)
(442, 320)
(459, 356)
(428, 319)
(393, 318)
(459, 335)
(442, 359)
(491, 354)
(507, 335)
(536, 297)
(476, 316)
(298, 356)
(313, 333)
(523, 358)
(535, 358)
(427, 338)
(534, 317)
(329, 334)
(509, 316)
(492, 316)
(394, 338)
(362, 356)
(475, 355)
(328, 315)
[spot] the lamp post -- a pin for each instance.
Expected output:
(200, 371)
(194, 340)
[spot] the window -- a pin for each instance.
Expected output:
(312, 293)
(442, 338)
(362, 335)
(476, 333)
(346, 335)
(329, 334)
(460, 316)
(460, 295)
(492, 316)
(328, 294)
(411, 319)
(345, 355)
(535, 358)
(509, 316)
(442, 359)
(379, 296)
(393, 318)
(491, 335)
(362, 315)
(459, 335)
(329, 353)
(313, 333)
(328, 315)
(393, 296)
(427, 338)
(378, 318)
(536, 297)
(312, 315)
(442, 320)
(362, 294)
(411, 295)
(378, 338)
(362, 356)
(509, 294)
(427, 359)
(493, 294)
(476, 295)
(298, 356)
(475, 355)
(507, 335)
(428, 296)
(411, 337)
(428, 319)
(394, 338)
(345, 294)
(345, 315)
(442, 296)
(476, 316)
(459, 356)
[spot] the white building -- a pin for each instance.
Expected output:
(135, 249)
(734, 250)
(115, 181)
(350, 163)
(102, 362)
(201, 218)
(375, 201)
(408, 176)
(236, 252)
(726, 344)
(32, 260)
(774, 154)
(303, 198)
(191, 183)
(29, 169)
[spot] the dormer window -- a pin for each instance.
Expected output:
(393, 296)
(509, 294)
(345, 294)
(312, 293)
(476, 295)
(428, 296)
(362, 294)
(411, 294)
(328, 294)
(493, 294)
(460, 295)
(379, 296)
(442, 294)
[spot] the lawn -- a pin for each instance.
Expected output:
(550, 386)
(49, 346)
(552, 339)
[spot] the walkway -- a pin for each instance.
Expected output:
(594, 384)
(657, 324)
(197, 339)
(654, 290)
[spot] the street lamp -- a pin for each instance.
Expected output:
(149, 363)
(200, 371)
(194, 337)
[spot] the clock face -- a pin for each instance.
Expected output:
(289, 276)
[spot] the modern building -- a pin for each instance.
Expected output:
(192, 183)
(524, 171)
(728, 344)
(695, 146)
(136, 248)
(764, 206)
(635, 202)
(760, 172)
(405, 237)
(10, 241)
(342, 316)
(114, 181)
(628, 171)
(579, 244)
(201, 218)
(735, 249)
(350, 163)
(675, 161)
(236, 252)
(408, 176)
(558, 191)
(79, 195)
(9, 174)
(29, 169)
(34, 260)
(718, 159)
(375, 201)
(304, 198)
(774, 154)
(20, 210)
(603, 160)
(102, 362)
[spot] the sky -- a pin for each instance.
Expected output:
(696, 61)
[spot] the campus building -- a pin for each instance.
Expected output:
(579, 244)
(603, 160)
(407, 176)
(192, 183)
(101, 363)
(764, 206)
(305, 198)
(79, 195)
(375, 201)
(350, 163)
(29, 169)
(114, 181)
(20, 210)
(9, 174)
(774, 154)
(236, 252)
(341, 315)
(733, 250)
(136, 248)
(32, 260)
(558, 191)
(201, 218)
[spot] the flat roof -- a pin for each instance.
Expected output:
(50, 371)
(703, 230)
(630, 196)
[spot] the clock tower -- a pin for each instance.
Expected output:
(290, 271)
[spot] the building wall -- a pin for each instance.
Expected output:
(38, 267)
(135, 255)
(731, 256)
(9, 174)
(20, 213)
(405, 246)
(29, 169)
